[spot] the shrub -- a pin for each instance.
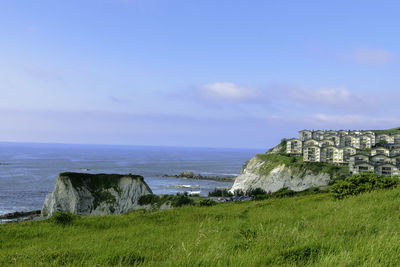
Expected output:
(181, 200)
(284, 192)
(238, 192)
(261, 197)
(207, 203)
(314, 190)
(255, 192)
(363, 182)
(63, 218)
(148, 199)
(381, 143)
(220, 193)
(282, 145)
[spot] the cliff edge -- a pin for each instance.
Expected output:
(95, 194)
(275, 170)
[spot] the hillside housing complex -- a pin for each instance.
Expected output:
(360, 150)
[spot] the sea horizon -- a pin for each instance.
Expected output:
(132, 145)
(28, 171)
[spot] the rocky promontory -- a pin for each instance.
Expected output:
(95, 194)
(276, 170)
(196, 176)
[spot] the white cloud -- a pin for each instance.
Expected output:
(373, 56)
(228, 91)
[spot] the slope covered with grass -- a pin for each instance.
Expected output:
(298, 166)
(311, 229)
(388, 131)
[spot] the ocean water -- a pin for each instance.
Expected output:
(28, 171)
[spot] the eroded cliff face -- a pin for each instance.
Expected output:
(95, 194)
(273, 176)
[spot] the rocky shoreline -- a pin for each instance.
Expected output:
(20, 216)
(195, 176)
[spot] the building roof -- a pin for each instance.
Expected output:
(338, 148)
(364, 163)
(349, 147)
(359, 154)
(380, 147)
(386, 163)
(331, 135)
(314, 147)
(312, 139)
(380, 155)
(327, 141)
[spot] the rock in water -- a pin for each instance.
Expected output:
(95, 194)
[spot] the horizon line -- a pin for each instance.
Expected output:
(127, 145)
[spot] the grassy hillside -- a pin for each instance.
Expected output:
(388, 131)
(310, 229)
(296, 163)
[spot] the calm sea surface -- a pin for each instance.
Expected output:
(28, 171)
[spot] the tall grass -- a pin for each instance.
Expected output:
(301, 230)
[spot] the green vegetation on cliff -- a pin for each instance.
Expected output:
(96, 181)
(157, 201)
(294, 231)
(297, 165)
(388, 131)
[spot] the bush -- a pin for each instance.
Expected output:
(63, 218)
(284, 192)
(220, 193)
(363, 182)
(181, 200)
(238, 192)
(381, 143)
(282, 147)
(148, 199)
(255, 192)
(207, 203)
(261, 197)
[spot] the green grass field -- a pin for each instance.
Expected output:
(388, 131)
(309, 229)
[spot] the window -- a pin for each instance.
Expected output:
(363, 168)
(386, 171)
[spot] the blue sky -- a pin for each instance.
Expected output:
(195, 73)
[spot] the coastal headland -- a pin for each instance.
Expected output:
(282, 210)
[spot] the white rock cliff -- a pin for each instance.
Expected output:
(278, 177)
(95, 194)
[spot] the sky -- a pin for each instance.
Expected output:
(209, 73)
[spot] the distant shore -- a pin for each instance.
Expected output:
(20, 216)
(195, 176)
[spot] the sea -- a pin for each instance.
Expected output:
(28, 171)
